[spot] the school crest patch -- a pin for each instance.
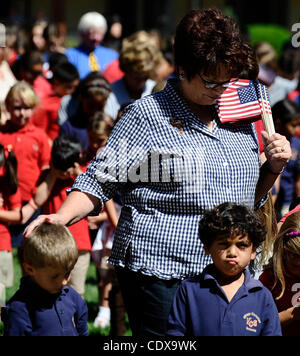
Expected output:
(252, 321)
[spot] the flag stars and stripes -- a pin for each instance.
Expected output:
(242, 101)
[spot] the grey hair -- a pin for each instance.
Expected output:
(90, 20)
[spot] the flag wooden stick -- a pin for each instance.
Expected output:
(266, 116)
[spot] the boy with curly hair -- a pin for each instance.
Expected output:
(224, 300)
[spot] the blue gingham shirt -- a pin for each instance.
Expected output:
(191, 169)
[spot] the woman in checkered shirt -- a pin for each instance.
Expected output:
(171, 160)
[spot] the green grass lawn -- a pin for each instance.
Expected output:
(91, 297)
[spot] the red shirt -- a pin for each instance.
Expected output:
(33, 152)
(113, 72)
(289, 297)
(42, 87)
(80, 230)
(12, 57)
(10, 203)
(259, 126)
(297, 208)
(293, 94)
(45, 116)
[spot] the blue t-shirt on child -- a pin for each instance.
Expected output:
(200, 308)
(32, 311)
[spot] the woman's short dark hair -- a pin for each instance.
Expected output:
(231, 219)
(205, 39)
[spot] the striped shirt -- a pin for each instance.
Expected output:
(169, 168)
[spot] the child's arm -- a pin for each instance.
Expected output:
(77, 169)
(11, 216)
(41, 195)
(95, 221)
(28, 210)
(177, 318)
(111, 213)
(43, 191)
(271, 324)
(289, 315)
(16, 320)
(77, 206)
(81, 318)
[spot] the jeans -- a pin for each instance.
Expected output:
(148, 301)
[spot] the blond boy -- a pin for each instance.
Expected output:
(44, 305)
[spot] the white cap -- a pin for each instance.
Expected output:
(92, 20)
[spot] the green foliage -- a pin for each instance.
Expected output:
(17, 276)
(276, 35)
(71, 41)
(93, 331)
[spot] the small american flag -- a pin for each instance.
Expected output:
(242, 101)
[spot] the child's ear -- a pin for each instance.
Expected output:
(28, 269)
(253, 254)
(206, 250)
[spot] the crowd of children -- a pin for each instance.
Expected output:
(59, 108)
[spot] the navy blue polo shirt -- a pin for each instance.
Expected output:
(32, 311)
(201, 308)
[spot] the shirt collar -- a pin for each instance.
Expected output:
(180, 109)
(35, 292)
(9, 128)
(84, 49)
(249, 282)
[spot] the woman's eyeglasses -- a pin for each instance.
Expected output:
(212, 85)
